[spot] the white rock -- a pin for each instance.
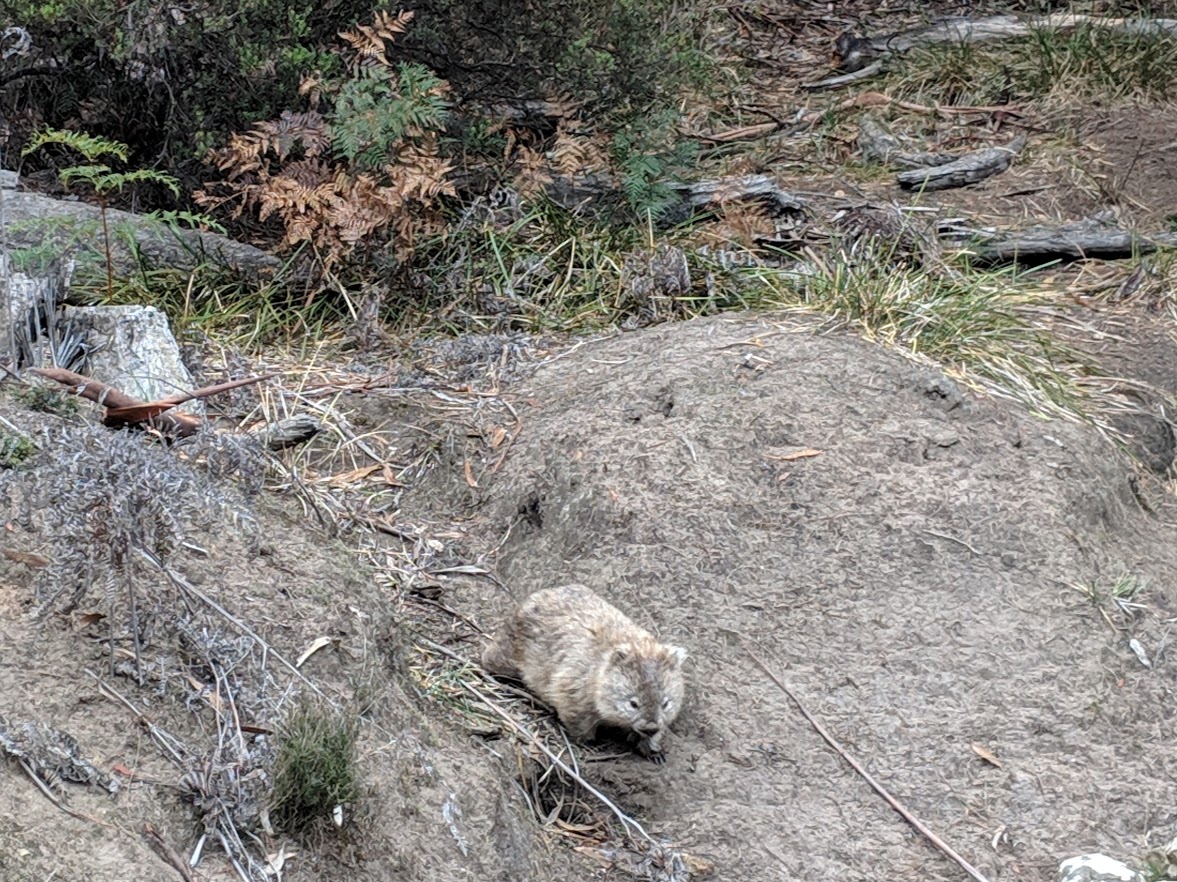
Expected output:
(132, 349)
(1096, 868)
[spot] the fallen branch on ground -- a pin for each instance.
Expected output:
(968, 169)
(857, 54)
(126, 410)
(857, 766)
(1090, 238)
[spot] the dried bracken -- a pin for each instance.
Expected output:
(366, 175)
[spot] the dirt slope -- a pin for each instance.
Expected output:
(436, 805)
(913, 582)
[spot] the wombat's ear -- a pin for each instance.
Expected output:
(678, 654)
(620, 653)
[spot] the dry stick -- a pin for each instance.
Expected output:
(857, 766)
(190, 589)
(152, 835)
(160, 736)
(44, 788)
(626, 821)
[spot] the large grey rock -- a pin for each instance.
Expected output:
(33, 220)
(132, 349)
(1096, 868)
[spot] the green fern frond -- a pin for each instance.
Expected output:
(178, 220)
(90, 146)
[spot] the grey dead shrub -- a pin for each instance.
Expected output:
(107, 503)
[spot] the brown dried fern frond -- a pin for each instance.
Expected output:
(743, 223)
(369, 42)
(420, 174)
(576, 151)
(533, 173)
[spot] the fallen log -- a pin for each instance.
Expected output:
(1042, 243)
(290, 432)
(968, 169)
(876, 144)
(125, 410)
(860, 57)
(704, 195)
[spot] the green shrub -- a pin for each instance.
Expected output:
(171, 80)
(315, 767)
(620, 58)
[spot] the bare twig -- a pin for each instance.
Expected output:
(627, 822)
(52, 797)
(953, 539)
(191, 590)
(153, 836)
(857, 766)
(161, 737)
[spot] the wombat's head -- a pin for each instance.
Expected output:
(641, 687)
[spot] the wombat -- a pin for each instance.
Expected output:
(584, 657)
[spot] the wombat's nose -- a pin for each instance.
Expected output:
(649, 729)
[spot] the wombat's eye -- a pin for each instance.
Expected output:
(634, 703)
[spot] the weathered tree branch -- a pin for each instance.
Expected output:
(125, 410)
(1090, 238)
(968, 169)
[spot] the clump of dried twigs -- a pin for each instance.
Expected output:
(551, 770)
(104, 501)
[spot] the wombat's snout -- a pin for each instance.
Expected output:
(649, 729)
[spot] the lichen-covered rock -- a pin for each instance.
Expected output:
(132, 349)
(1096, 868)
(34, 220)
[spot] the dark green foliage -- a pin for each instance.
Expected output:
(648, 164)
(315, 768)
(14, 450)
(44, 399)
(619, 58)
(174, 81)
(373, 111)
(171, 80)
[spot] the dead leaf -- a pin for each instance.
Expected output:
(28, 559)
(470, 475)
(345, 478)
(986, 754)
(497, 437)
(92, 618)
(803, 453)
(698, 867)
(210, 695)
(317, 644)
(275, 862)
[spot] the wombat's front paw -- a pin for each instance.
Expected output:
(652, 750)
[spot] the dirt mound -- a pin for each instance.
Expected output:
(950, 584)
(938, 575)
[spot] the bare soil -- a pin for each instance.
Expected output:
(915, 583)
(292, 584)
(932, 571)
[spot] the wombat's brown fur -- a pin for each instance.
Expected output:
(584, 657)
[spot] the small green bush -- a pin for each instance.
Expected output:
(619, 59)
(44, 399)
(315, 767)
(14, 450)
